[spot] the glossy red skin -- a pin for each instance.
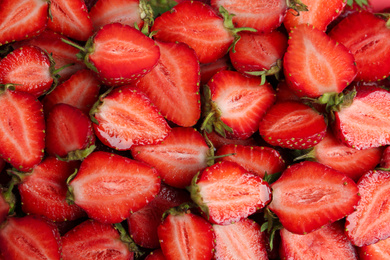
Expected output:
(218, 140)
(208, 70)
(377, 251)
(156, 255)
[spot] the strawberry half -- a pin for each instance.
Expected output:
(310, 195)
(293, 125)
(227, 193)
(22, 135)
(29, 237)
(43, 191)
(125, 117)
(21, 19)
(329, 242)
(370, 222)
(178, 158)
(315, 64)
(377, 251)
(94, 240)
(226, 104)
(368, 38)
(240, 240)
(186, 236)
(109, 187)
(156, 254)
(172, 87)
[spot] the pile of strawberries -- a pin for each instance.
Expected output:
(240, 129)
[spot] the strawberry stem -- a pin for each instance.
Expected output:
(127, 239)
(146, 14)
(78, 155)
(75, 45)
(9, 196)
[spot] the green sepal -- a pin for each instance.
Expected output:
(69, 194)
(125, 238)
(306, 154)
(8, 194)
(78, 155)
(271, 178)
(146, 14)
(297, 6)
(84, 52)
(360, 3)
(179, 210)
(196, 197)
(96, 105)
(271, 226)
(161, 6)
(274, 70)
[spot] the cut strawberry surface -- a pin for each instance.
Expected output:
(368, 38)
(377, 251)
(22, 129)
(329, 242)
(310, 195)
(172, 87)
(21, 19)
(365, 123)
(29, 237)
(241, 240)
(186, 236)
(292, 125)
(227, 193)
(178, 158)
(126, 117)
(370, 222)
(109, 187)
(327, 65)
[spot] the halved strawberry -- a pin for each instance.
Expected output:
(81, 90)
(119, 54)
(293, 125)
(377, 251)
(22, 125)
(29, 237)
(125, 117)
(240, 240)
(69, 133)
(178, 158)
(235, 103)
(320, 14)
(184, 235)
(365, 123)
(70, 17)
(116, 11)
(29, 69)
(109, 187)
(43, 191)
(258, 160)
(370, 222)
(218, 140)
(329, 242)
(94, 240)
(156, 254)
(144, 222)
(227, 193)
(172, 87)
(21, 19)
(310, 195)
(352, 162)
(315, 64)
(368, 38)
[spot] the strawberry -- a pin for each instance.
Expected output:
(174, 88)
(218, 140)
(81, 90)
(227, 193)
(226, 104)
(143, 223)
(367, 37)
(320, 14)
(365, 122)
(329, 242)
(116, 11)
(370, 222)
(29, 68)
(94, 240)
(293, 125)
(379, 6)
(69, 133)
(199, 26)
(64, 55)
(43, 190)
(240, 240)
(310, 195)
(70, 17)
(184, 235)
(259, 54)
(352, 162)
(125, 117)
(29, 237)
(377, 251)
(284, 93)
(178, 158)
(22, 129)
(115, 53)
(208, 70)
(315, 64)
(385, 160)
(21, 19)
(109, 187)
(156, 254)
(258, 160)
